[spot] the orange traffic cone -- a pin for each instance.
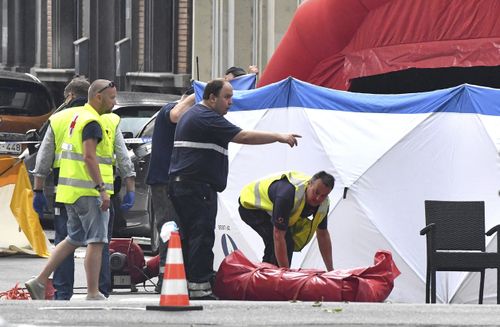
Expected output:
(174, 292)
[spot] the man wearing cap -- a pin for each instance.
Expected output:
(233, 72)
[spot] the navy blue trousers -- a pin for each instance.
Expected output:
(260, 221)
(196, 206)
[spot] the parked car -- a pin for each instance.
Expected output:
(25, 104)
(137, 112)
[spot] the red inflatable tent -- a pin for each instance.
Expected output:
(332, 42)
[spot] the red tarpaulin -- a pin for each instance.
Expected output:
(240, 279)
(331, 42)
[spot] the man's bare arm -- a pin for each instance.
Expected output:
(181, 107)
(325, 247)
(280, 248)
(263, 137)
(90, 159)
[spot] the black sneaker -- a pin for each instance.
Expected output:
(206, 297)
(159, 284)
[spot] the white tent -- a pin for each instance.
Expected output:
(388, 154)
(21, 231)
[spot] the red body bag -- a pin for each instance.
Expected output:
(240, 279)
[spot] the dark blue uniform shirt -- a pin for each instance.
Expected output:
(200, 148)
(161, 146)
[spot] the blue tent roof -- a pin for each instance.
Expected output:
(291, 92)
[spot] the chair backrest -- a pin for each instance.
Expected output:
(459, 225)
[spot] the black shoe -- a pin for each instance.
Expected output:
(206, 297)
(159, 284)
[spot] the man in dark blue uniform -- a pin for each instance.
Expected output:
(198, 170)
(157, 177)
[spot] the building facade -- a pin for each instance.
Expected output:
(237, 33)
(143, 45)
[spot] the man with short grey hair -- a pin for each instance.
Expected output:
(75, 93)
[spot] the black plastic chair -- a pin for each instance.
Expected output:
(456, 242)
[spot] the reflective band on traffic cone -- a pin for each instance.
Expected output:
(174, 293)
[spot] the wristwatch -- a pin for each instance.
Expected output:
(100, 187)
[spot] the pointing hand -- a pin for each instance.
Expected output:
(290, 139)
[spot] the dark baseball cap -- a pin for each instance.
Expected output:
(189, 90)
(236, 71)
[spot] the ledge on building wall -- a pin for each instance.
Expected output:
(157, 82)
(53, 75)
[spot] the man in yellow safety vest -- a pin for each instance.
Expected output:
(85, 185)
(286, 210)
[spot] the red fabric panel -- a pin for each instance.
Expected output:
(425, 34)
(319, 29)
(330, 42)
(240, 279)
(455, 53)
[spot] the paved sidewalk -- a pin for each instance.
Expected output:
(125, 308)
(130, 311)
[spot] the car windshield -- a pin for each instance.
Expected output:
(149, 128)
(133, 118)
(19, 98)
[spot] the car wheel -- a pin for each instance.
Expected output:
(155, 236)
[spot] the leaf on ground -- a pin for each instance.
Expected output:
(334, 310)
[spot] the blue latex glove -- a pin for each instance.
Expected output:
(39, 202)
(128, 201)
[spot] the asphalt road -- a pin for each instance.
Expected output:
(126, 308)
(130, 311)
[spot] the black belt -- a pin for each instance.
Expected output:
(181, 178)
(185, 179)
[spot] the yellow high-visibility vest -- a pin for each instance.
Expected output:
(110, 122)
(74, 180)
(56, 121)
(255, 196)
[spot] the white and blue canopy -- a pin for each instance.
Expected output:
(388, 153)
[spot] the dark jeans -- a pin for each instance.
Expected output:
(64, 275)
(260, 221)
(164, 211)
(196, 205)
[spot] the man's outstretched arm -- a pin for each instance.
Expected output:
(263, 137)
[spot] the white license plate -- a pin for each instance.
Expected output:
(7, 147)
(121, 280)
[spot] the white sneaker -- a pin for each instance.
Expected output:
(36, 289)
(98, 297)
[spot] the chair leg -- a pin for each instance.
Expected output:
(427, 285)
(481, 287)
(433, 286)
(498, 284)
